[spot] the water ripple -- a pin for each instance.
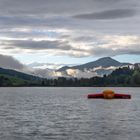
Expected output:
(60, 114)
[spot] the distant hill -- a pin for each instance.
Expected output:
(14, 78)
(137, 65)
(124, 76)
(17, 74)
(99, 67)
(104, 62)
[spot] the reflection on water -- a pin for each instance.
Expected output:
(66, 113)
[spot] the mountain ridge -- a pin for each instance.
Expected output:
(100, 67)
(104, 62)
(18, 74)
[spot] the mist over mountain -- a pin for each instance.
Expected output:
(99, 68)
(10, 63)
(104, 62)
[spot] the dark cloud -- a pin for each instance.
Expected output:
(54, 14)
(38, 45)
(38, 16)
(108, 14)
(41, 45)
(56, 47)
(10, 63)
(63, 7)
(21, 21)
(109, 51)
(9, 22)
(41, 7)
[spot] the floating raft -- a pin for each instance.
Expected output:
(108, 94)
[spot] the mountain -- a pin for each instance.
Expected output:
(64, 68)
(104, 62)
(137, 65)
(99, 67)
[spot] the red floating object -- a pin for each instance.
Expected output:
(122, 96)
(99, 96)
(108, 95)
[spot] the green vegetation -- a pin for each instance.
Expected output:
(15, 78)
(120, 77)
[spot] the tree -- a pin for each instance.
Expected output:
(136, 77)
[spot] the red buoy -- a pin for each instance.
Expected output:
(108, 94)
(122, 96)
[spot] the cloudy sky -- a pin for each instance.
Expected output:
(70, 31)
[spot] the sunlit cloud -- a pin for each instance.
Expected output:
(73, 44)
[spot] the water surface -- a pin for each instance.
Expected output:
(66, 113)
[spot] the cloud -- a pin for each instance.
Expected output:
(108, 14)
(63, 7)
(80, 74)
(76, 45)
(35, 7)
(44, 14)
(10, 63)
(39, 45)
(56, 47)
(53, 66)
(48, 27)
(117, 45)
(53, 13)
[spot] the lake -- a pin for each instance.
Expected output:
(47, 113)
